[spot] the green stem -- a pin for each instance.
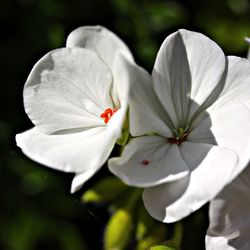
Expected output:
(178, 234)
(133, 199)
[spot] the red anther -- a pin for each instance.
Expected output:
(107, 114)
(145, 162)
(103, 115)
(106, 120)
(109, 111)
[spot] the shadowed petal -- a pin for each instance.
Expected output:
(146, 113)
(188, 68)
(158, 198)
(68, 89)
(230, 126)
(229, 216)
(236, 88)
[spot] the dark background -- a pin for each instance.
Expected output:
(36, 209)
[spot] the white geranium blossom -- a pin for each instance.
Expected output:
(229, 215)
(191, 123)
(77, 99)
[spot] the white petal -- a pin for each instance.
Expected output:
(228, 127)
(78, 152)
(187, 70)
(230, 217)
(115, 124)
(236, 88)
(216, 243)
(164, 162)
(247, 39)
(68, 89)
(122, 77)
(80, 179)
(158, 198)
(100, 40)
(112, 51)
(146, 113)
(173, 201)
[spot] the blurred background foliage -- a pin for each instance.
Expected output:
(36, 209)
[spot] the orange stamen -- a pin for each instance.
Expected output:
(107, 114)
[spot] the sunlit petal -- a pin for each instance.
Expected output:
(74, 152)
(68, 89)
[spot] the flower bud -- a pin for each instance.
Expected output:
(118, 230)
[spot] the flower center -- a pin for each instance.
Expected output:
(180, 136)
(107, 114)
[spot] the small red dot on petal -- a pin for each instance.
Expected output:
(145, 162)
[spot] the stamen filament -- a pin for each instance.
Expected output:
(180, 136)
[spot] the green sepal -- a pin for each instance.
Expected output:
(105, 190)
(118, 230)
(122, 140)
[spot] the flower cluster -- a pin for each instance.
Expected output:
(188, 120)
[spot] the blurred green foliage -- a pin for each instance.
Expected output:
(36, 209)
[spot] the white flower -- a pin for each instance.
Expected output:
(229, 214)
(71, 95)
(192, 126)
